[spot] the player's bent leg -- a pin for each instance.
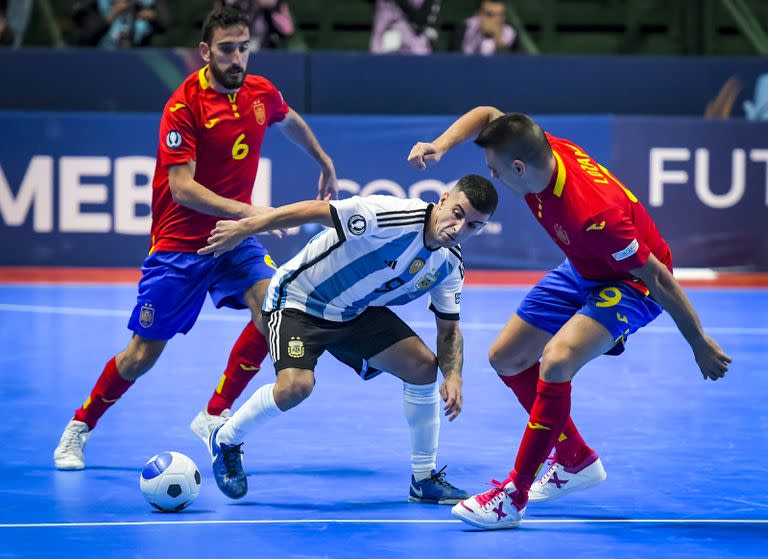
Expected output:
(244, 362)
(413, 362)
(226, 441)
(117, 377)
(578, 342)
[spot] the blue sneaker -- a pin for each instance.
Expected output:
(436, 490)
(227, 466)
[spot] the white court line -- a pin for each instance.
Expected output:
(385, 521)
(469, 326)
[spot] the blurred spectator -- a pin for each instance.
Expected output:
(6, 35)
(271, 20)
(404, 26)
(14, 16)
(486, 33)
(119, 23)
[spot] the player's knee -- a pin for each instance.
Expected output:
(557, 363)
(426, 370)
(505, 362)
(299, 389)
(137, 359)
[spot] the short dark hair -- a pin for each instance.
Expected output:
(517, 136)
(479, 3)
(220, 18)
(480, 192)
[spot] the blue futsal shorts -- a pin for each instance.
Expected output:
(173, 286)
(563, 292)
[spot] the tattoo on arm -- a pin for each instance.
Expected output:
(450, 352)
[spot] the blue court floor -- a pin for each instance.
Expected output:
(687, 474)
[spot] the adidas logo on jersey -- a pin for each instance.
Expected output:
(391, 263)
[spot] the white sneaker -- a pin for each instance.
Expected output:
(204, 423)
(69, 453)
(492, 510)
(561, 480)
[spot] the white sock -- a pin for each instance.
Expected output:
(422, 410)
(256, 411)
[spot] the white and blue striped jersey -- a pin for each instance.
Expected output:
(373, 256)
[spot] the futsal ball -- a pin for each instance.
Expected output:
(170, 481)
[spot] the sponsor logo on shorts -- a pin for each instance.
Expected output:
(415, 266)
(627, 252)
(457, 297)
(295, 348)
(357, 224)
(173, 139)
(147, 315)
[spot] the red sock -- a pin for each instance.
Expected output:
(245, 359)
(107, 391)
(548, 416)
(571, 448)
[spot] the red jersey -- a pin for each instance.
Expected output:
(600, 225)
(222, 133)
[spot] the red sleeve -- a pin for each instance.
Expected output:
(278, 108)
(178, 135)
(615, 239)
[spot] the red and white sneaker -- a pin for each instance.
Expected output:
(496, 509)
(561, 480)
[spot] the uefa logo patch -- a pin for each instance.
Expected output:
(173, 139)
(357, 224)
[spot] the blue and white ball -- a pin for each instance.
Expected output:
(170, 481)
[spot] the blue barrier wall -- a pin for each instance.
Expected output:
(75, 187)
(360, 83)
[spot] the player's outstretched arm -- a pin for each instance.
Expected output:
(666, 290)
(467, 127)
(187, 192)
(450, 358)
(298, 131)
(228, 234)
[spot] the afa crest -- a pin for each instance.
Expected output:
(415, 266)
(296, 348)
(147, 315)
(260, 112)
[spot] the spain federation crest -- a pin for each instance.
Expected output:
(147, 315)
(260, 112)
(295, 348)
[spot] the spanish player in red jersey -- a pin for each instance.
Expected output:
(208, 155)
(616, 278)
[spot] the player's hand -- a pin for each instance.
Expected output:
(424, 153)
(450, 390)
(711, 359)
(328, 185)
(224, 237)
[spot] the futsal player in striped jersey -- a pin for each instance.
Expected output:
(378, 252)
(211, 132)
(616, 278)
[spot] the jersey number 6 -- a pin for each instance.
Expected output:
(240, 149)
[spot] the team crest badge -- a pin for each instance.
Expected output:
(415, 266)
(356, 224)
(147, 315)
(260, 112)
(427, 281)
(562, 235)
(296, 348)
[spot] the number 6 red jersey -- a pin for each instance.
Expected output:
(222, 133)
